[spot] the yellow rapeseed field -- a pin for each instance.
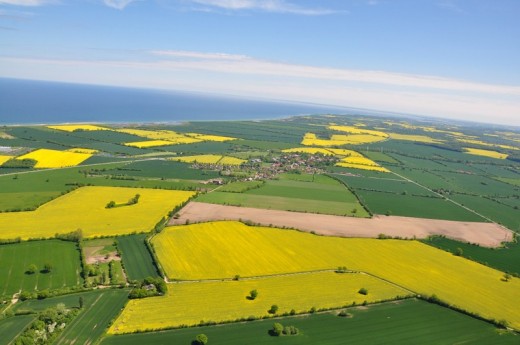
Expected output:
(224, 249)
(149, 143)
(82, 150)
(360, 162)
(189, 303)
(362, 167)
(208, 137)
(485, 153)
(311, 150)
(55, 159)
(417, 138)
(84, 209)
(483, 143)
(356, 139)
(172, 137)
(4, 159)
(203, 159)
(355, 130)
(310, 139)
(209, 159)
(227, 160)
(72, 128)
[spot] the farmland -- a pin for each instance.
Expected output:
(15, 260)
(346, 183)
(403, 198)
(85, 209)
(95, 317)
(506, 258)
(10, 328)
(294, 194)
(46, 158)
(215, 251)
(227, 301)
(136, 257)
(484, 234)
(405, 322)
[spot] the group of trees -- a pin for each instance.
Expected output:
(149, 287)
(133, 201)
(32, 268)
(46, 328)
(279, 330)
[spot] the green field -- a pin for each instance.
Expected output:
(292, 192)
(11, 327)
(506, 259)
(403, 198)
(405, 322)
(240, 186)
(136, 257)
(163, 169)
(16, 258)
(98, 311)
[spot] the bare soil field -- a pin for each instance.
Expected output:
(484, 234)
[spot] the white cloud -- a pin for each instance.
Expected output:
(249, 77)
(198, 55)
(276, 6)
(117, 4)
(27, 3)
(241, 64)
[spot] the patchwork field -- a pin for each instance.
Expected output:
(216, 250)
(484, 234)
(78, 127)
(405, 322)
(395, 196)
(91, 323)
(136, 257)
(506, 258)
(227, 300)
(210, 159)
(15, 260)
(85, 209)
(46, 158)
(320, 194)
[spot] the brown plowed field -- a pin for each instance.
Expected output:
(484, 234)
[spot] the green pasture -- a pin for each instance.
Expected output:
(16, 258)
(506, 259)
(11, 327)
(136, 257)
(96, 316)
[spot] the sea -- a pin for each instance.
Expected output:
(42, 102)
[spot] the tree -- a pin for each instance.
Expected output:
(81, 302)
(273, 310)
(47, 268)
(201, 339)
(458, 251)
(363, 291)
(507, 277)
(31, 269)
(277, 329)
(253, 294)
(111, 204)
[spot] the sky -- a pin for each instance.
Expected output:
(445, 58)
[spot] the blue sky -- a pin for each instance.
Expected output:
(447, 58)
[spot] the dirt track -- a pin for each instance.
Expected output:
(484, 234)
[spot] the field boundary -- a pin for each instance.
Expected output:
(484, 234)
